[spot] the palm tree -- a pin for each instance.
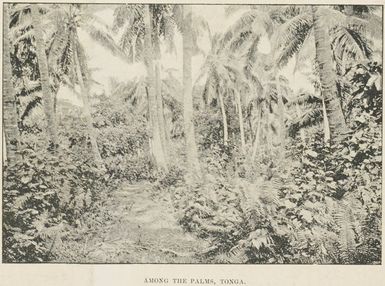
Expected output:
(67, 57)
(191, 147)
(10, 114)
(155, 139)
(337, 122)
(265, 109)
(44, 75)
(135, 93)
(245, 35)
(223, 78)
(83, 80)
(294, 36)
(240, 119)
(130, 19)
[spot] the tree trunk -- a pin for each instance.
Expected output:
(10, 115)
(44, 76)
(301, 131)
(297, 107)
(87, 110)
(337, 123)
(155, 137)
(188, 116)
(282, 127)
(240, 118)
(326, 124)
(224, 119)
(133, 48)
(4, 149)
(250, 137)
(257, 132)
(159, 107)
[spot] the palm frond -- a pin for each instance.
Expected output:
(34, 101)
(305, 98)
(306, 52)
(58, 45)
(231, 9)
(290, 37)
(308, 119)
(126, 14)
(253, 20)
(105, 39)
(349, 44)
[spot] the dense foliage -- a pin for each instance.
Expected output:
(260, 170)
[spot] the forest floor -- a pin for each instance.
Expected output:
(142, 228)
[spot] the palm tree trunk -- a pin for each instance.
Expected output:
(44, 76)
(240, 118)
(301, 131)
(155, 138)
(297, 107)
(334, 112)
(326, 124)
(257, 132)
(250, 137)
(188, 116)
(4, 149)
(160, 113)
(133, 47)
(224, 119)
(282, 131)
(87, 110)
(10, 115)
(269, 132)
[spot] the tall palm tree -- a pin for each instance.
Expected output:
(267, 108)
(327, 74)
(330, 32)
(223, 78)
(191, 146)
(67, 57)
(10, 115)
(44, 75)
(245, 35)
(130, 20)
(83, 80)
(155, 139)
(240, 119)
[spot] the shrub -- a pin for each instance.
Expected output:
(43, 195)
(123, 141)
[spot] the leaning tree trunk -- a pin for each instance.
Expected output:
(87, 110)
(334, 112)
(44, 76)
(240, 118)
(155, 137)
(188, 115)
(9, 105)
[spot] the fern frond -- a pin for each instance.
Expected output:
(237, 254)
(346, 238)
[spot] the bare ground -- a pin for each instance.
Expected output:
(141, 228)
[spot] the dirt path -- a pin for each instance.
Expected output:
(142, 229)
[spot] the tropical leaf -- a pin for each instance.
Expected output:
(290, 37)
